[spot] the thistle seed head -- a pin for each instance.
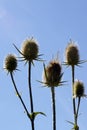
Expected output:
(52, 74)
(10, 63)
(30, 49)
(72, 54)
(78, 89)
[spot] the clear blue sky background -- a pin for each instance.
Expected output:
(53, 23)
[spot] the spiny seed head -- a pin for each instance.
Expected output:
(72, 54)
(30, 49)
(10, 63)
(52, 74)
(78, 89)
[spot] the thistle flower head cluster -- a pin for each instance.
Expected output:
(72, 54)
(30, 49)
(10, 63)
(52, 74)
(78, 89)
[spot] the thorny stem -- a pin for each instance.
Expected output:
(17, 92)
(53, 107)
(30, 93)
(74, 106)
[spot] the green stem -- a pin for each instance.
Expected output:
(30, 93)
(17, 92)
(53, 107)
(74, 105)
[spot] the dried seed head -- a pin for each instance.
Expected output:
(52, 74)
(72, 54)
(78, 89)
(30, 49)
(10, 63)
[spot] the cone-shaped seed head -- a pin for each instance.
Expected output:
(30, 49)
(10, 63)
(52, 74)
(78, 89)
(72, 54)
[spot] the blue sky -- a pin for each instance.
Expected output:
(52, 23)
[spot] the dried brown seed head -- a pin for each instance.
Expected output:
(72, 54)
(52, 74)
(78, 89)
(10, 63)
(30, 49)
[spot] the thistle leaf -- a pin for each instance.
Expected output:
(70, 122)
(34, 114)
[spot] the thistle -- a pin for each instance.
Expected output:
(78, 93)
(78, 89)
(52, 78)
(52, 74)
(30, 49)
(10, 63)
(72, 54)
(72, 59)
